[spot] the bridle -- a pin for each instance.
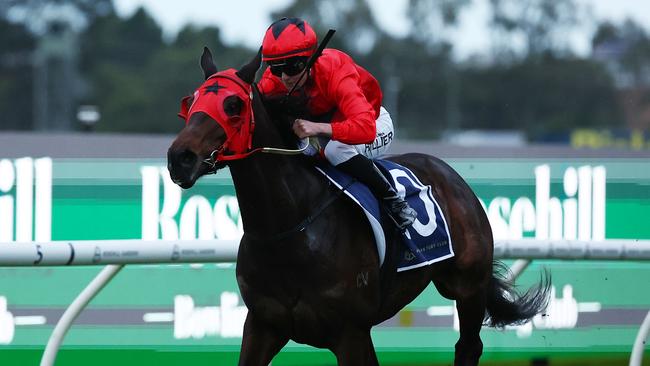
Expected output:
(218, 159)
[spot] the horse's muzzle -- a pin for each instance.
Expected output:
(183, 167)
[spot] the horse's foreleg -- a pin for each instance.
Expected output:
(355, 348)
(471, 312)
(260, 343)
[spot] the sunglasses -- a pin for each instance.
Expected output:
(291, 66)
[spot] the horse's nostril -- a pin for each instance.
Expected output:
(187, 158)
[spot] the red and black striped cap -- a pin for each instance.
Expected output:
(288, 37)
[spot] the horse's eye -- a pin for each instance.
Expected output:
(233, 105)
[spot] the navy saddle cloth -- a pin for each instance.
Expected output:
(427, 240)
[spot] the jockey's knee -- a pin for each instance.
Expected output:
(337, 152)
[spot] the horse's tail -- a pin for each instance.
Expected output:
(505, 306)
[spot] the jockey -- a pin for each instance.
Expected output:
(359, 130)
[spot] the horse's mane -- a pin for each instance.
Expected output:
(283, 111)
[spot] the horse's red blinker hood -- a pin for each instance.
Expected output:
(226, 98)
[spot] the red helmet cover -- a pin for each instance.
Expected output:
(288, 37)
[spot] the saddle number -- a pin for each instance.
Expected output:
(420, 226)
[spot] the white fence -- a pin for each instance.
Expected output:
(104, 252)
(117, 253)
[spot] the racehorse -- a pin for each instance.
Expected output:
(307, 267)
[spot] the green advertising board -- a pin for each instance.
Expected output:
(173, 314)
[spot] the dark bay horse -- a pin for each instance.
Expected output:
(307, 267)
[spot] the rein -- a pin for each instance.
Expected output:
(212, 160)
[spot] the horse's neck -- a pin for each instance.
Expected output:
(275, 192)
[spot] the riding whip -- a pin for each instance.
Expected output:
(313, 58)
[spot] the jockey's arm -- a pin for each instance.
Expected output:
(355, 122)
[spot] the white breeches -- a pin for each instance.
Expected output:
(337, 152)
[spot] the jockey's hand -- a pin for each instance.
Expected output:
(304, 128)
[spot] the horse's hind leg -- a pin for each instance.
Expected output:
(471, 312)
(355, 348)
(469, 291)
(259, 343)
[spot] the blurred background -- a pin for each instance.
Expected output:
(560, 71)
(542, 106)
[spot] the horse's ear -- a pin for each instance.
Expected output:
(248, 71)
(208, 66)
(186, 104)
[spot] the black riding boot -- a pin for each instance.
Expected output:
(365, 171)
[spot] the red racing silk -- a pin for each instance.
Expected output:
(338, 83)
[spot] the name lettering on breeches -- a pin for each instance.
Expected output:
(382, 140)
(362, 279)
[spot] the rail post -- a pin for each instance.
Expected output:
(75, 308)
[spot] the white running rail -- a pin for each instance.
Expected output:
(101, 252)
